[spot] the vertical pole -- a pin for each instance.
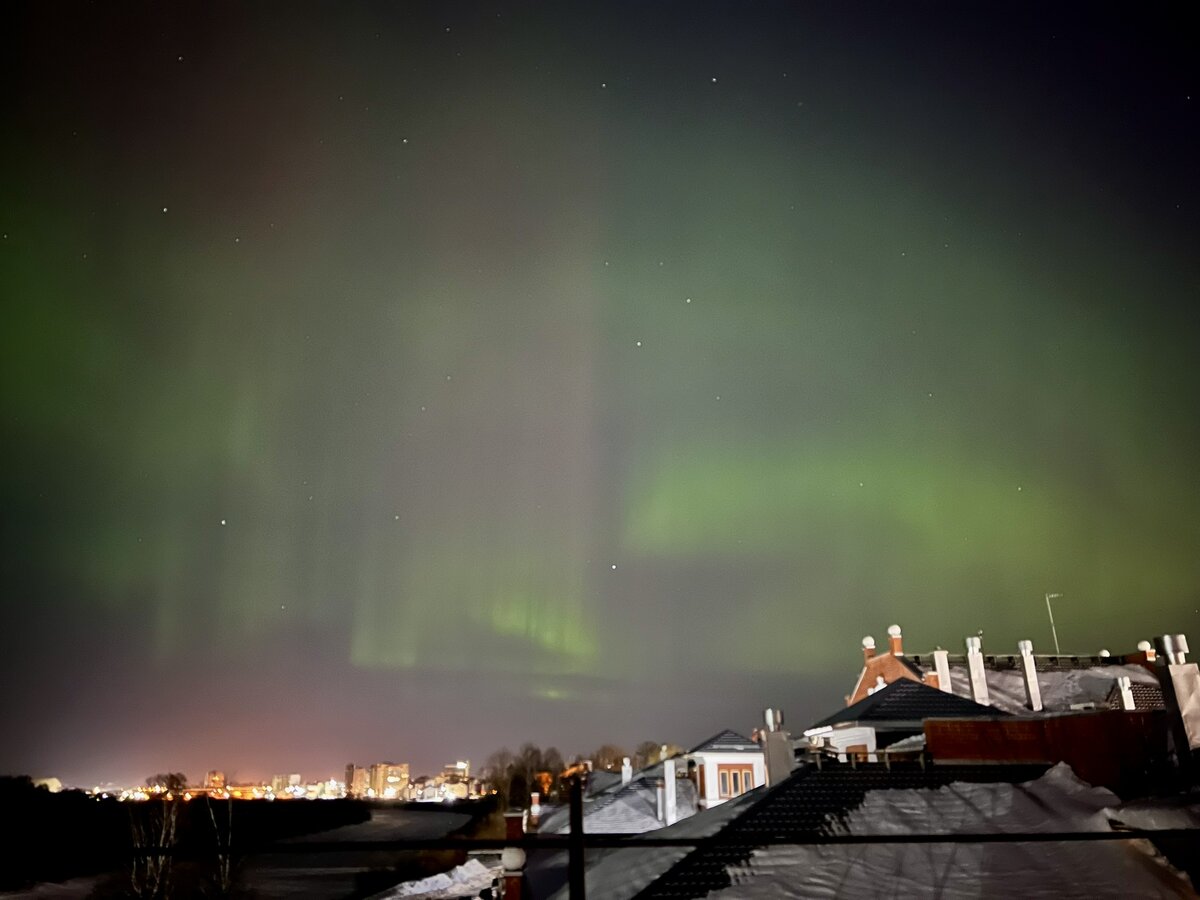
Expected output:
(513, 858)
(1053, 630)
(575, 872)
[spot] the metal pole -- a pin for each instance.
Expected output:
(1053, 630)
(575, 870)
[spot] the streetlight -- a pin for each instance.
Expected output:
(1053, 630)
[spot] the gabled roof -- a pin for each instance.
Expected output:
(908, 702)
(625, 807)
(727, 742)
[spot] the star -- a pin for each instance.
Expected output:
(222, 521)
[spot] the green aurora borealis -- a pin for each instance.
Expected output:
(554, 366)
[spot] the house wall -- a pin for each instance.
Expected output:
(1111, 748)
(710, 789)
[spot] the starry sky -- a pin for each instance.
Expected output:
(400, 381)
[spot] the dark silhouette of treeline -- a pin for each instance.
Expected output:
(58, 836)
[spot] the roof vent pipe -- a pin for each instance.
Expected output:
(975, 671)
(1181, 648)
(1033, 691)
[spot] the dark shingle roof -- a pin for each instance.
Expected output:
(810, 801)
(1145, 696)
(908, 701)
(727, 742)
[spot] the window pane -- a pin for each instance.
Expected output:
(724, 784)
(737, 782)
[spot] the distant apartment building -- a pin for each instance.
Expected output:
(388, 781)
(358, 781)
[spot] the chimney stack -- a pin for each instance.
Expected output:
(777, 748)
(1176, 648)
(868, 649)
(941, 665)
(1147, 648)
(1033, 691)
(669, 813)
(1126, 692)
(626, 771)
(895, 646)
(975, 671)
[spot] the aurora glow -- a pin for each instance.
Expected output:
(393, 383)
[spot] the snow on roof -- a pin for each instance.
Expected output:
(621, 874)
(625, 808)
(466, 880)
(907, 799)
(1056, 801)
(727, 741)
(1061, 688)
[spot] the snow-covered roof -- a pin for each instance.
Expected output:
(900, 799)
(727, 741)
(621, 874)
(627, 808)
(969, 799)
(1062, 688)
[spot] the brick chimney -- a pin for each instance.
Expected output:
(895, 645)
(868, 648)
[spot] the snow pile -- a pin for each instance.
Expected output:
(1058, 801)
(466, 880)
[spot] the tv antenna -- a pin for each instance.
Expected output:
(1050, 613)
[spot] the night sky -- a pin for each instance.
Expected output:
(397, 382)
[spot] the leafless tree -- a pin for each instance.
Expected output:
(152, 827)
